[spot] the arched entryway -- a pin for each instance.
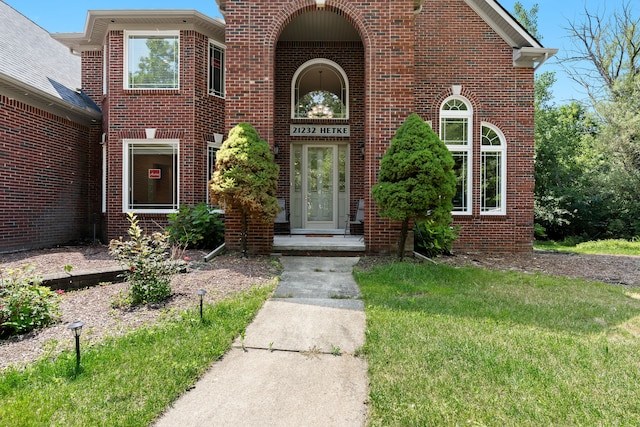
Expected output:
(319, 120)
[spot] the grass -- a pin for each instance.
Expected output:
(473, 347)
(130, 380)
(604, 247)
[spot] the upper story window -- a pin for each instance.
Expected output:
(216, 69)
(493, 171)
(456, 131)
(320, 90)
(152, 60)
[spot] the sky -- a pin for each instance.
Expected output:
(554, 17)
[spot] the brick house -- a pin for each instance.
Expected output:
(326, 83)
(49, 161)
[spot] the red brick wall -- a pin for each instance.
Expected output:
(47, 193)
(189, 114)
(386, 29)
(461, 49)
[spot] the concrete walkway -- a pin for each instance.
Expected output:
(297, 367)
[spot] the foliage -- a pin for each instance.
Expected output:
(600, 247)
(433, 239)
(129, 380)
(245, 178)
(25, 305)
(498, 348)
(148, 262)
(416, 178)
(196, 227)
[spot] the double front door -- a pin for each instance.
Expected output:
(319, 186)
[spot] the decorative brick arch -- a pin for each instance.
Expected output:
(297, 8)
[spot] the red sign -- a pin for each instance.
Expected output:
(155, 173)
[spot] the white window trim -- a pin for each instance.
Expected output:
(104, 173)
(210, 146)
(104, 69)
(468, 148)
(502, 149)
(308, 64)
(224, 69)
(125, 173)
(150, 33)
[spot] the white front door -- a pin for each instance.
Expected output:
(319, 186)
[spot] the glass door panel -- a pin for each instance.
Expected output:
(320, 187)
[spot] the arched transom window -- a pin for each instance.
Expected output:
(320, 90)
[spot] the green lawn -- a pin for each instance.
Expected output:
(470, 347)
(127, 381)
(603, 247)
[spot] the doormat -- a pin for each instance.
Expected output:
(318, 235)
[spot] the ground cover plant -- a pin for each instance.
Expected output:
(130, 380)
(609, 246)
(25, 304)
(466, 346)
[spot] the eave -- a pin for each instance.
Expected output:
(14, 89)
(100, 22)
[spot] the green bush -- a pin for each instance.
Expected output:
(25, 305)
(196, 227)
(431, 239)
(149, 264)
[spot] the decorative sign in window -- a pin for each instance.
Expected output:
(320, 130)
(155, 173)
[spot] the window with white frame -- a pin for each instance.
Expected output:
(216, 69)
(456, 131)
(150, 175)
(493, 171)
(212, 151)
(152, 60)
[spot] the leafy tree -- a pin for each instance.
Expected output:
(416, 178)
(245, 178)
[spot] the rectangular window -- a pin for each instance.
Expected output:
(216, 69)
(212, 150)
(455, 134)
(151, 176)
(461, 199)
(152, 60)
(491, 170)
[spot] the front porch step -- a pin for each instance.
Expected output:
(319, 244)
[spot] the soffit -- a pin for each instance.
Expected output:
(319, 25)
(99, 22)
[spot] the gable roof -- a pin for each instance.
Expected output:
(37, 70)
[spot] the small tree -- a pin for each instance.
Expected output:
(245, 178)
(416, 178)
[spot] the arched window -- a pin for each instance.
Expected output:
(320, 90)
(493, 171)
(456, 131)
